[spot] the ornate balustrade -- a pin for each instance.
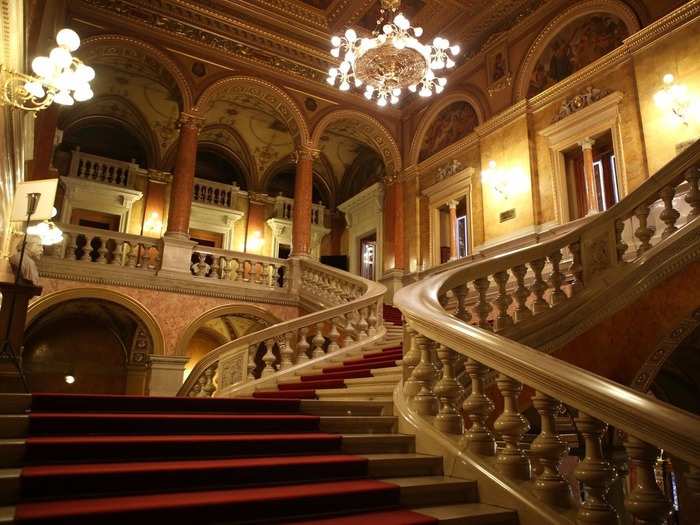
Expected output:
(440, 340)
(352, 312)
(214, 193)
(103, 247)
(241, 268)
(101, 169)
(284, 209)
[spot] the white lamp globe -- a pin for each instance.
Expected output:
(83, 93)
(84, 73)
(60, 57)
(68, 39)
(35, 89)
(63, 98)
(42, 67)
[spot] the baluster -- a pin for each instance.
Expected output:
(259, 269)
(200, 268)
(460, 292)
(576, 268)
(122, 256)
(645, 502)
(693, 195)
(372, 321)
(71, 244)
(201, 381)
(101, 250)
(539, 287)
(132, 257)
(521, 294)
(425, 402)
(477, 407)
(225, 268)
(411, 358)
(144, 256)
(547, 450)
(333, 336)
(271, 272)
(483, 308)
(302, 346)
(596, 474)
(669, 215)
(87, 250)
(503, 320)
(252, 351)
(209, 387)
(196, 389)
(269, 358)
(511, 425)
(286, 351)
(247, 270)
(239, 269)
(555, 279)
(350, 333)
(643, 232)
(448, 391)
(318, 341)
(362, 324)
(620, 245)
(215, 267)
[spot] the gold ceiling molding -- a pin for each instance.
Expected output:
(303, 13)
(270, 58)
(276, 99)
(382, 140)
(51, 300)
(111, 44)
(559, 22)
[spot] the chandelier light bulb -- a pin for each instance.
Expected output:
(368, 95)
(330, 80)
(402, 22)
(336, 41)
(418, 31)
(333, 72)
(668, 79)
(344, 67)
(455, 49)
(335, 52)
(358, 82)
(439, 89)
(449, 63)
(351, 35)
(68, 39)
(42, 67)
(344, 86)
(425, 92)
(84, 73)
(388, 29)
(396, 91)
(381, 101)
(399, 43)
(63, 98)
(60, 57)
(442, 81)
(35, 89)
(394, 99)
(412, 88)
(83, 93)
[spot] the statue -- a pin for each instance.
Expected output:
(449, 169)
(32, 253)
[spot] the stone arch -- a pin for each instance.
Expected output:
(434, 111)
(230, 156)
(381, 139)
(219, 311)
(245, 157)
(611, 7)
(323, 177)
(47, 302)
(127, 115)
(274, 97)
(90, 48)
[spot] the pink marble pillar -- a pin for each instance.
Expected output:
(303, 187)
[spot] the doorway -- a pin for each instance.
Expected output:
(368, 256)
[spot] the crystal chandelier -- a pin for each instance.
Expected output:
(392, 60)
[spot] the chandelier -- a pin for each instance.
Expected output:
(60, 77)
(392, 60)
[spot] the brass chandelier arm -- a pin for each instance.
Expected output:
(16, 95)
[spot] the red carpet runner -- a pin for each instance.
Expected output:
(111, 460)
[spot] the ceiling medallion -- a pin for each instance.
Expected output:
(391, 60)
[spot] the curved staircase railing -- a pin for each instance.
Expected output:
(599, 256)
(348, 308)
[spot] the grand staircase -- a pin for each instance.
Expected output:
(83, 459)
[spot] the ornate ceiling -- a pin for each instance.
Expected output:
(292, 36)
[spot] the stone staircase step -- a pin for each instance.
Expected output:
(435, 490)
(470, 514)
(389, 379)
(368, 393)
(378, 443)
(319, 407)
(358, 424)
(407, 464)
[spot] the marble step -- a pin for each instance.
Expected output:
(318, 407)
(358, 424)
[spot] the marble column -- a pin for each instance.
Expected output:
(255, 233)
(453, 229)
(399, 258)
(183, 178)
(591, 194)
(303, 188)
(44, 133)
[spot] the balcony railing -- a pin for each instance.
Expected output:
(284, 209)
(242, 268)
(101, 169)
(214, 193)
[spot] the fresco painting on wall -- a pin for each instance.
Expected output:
(454, 122)
(577, 45)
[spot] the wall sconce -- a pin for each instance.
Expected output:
(47, 231)
(154, 224)
(255, 241)
(60, 77)
(673, 97)
(505, 182)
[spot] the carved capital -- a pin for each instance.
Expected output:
(162, 177)
(586, 143)
(189, 120)
(305, 153)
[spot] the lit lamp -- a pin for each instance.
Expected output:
(504, 182)
(60, 77)
(255, 241)
(153, 225)
(673, 97)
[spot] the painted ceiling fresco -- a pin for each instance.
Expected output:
(453, 123)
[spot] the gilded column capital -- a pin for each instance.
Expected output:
(586, 143)
(409, 173)
(162, 177)
(305, 152)
(190, 120)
